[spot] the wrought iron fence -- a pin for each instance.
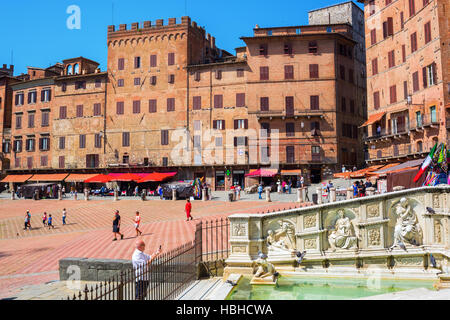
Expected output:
(166, 276)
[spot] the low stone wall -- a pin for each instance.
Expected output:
(394, 232)
(86, 269)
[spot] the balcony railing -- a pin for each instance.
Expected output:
(398, 151)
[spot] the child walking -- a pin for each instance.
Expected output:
(50, 222)
(44, 219)
(137, 221)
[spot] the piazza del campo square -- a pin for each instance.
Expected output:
(200, 155)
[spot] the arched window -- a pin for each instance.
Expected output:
(419, 146)
(76, 69)
(69, 69)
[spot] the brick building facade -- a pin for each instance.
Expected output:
(408, 64)
(171, 99)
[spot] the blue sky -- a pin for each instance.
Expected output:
(37, 34)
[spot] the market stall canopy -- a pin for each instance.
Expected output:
(56, 177)
(18, 178)
(342, 175)
(125, 177)
(157, 177)
(100, 178)
(373, 118)
(407, 164)
(79, 177)
(296, 172)
(262, 173)
(362, 173)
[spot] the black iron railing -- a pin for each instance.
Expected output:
(170, 273)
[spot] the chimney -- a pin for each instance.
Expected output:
(257, 26)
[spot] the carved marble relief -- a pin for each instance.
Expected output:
(409, 261)
(373, 211)
(239, 230)
(437, 231)
(374, 237)
(309, 221)
(407, 229)
(281, 237)
(342, 233)
(310, 244)
(436, 201)
(238, 249)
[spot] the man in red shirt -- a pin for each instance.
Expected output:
(188, 209)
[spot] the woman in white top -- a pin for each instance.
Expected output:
(137, 222)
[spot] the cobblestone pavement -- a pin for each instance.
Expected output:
(30, 257)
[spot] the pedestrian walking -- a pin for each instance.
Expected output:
(290, 186)
(188, 209)
(26, 222)
(137, 221)
(279, 186)
(160, 192)
(29, 219)
(50, 222)
(260, 191)
(141, 261)
(136, 191)
(64, 214)
(44, 219)
(116, 226)
(63, 191)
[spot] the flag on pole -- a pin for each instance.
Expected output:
(425, 164)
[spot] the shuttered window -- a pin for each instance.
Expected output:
(264, 103)
(125, 139)
(97, 109)
(375, 66)
(121, 64)
(427, 32)
(290, 154)
(153, 61)
(289, 72)
(218, 101)
(164, 137)
(153, 80)
(137, 62)
(62, 162)
(218, 74)
(171, 59)
(342, 72)
(403, 53)
(414, 42)
(197, 102)
(171, 78)
(263, 50)
(288, 49)
(98, 140)
(312, 47)
(373, 36)
(63, 112)
(391, 58)
(314, 102)
(62, 143)
(79, 111)
(120, 107)
(45, 119)
(290, 129)
(18, 121)
(264, 73)
(219, 124)
(412, 8)
(376, 100)
(44, 161)
(289, 105)
(152, 105)
(137, 106)
(405, 90)
(415, 78)
(82, 141)
(240, 99)
(343, 104)
(314, 71)
(31, 120)
(393, 93)
(170, 104)
(240, 73)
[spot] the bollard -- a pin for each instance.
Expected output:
(174, 194)
(349, 193)
(332, 194)
(370, 191)
(75, 196)
(303, 194)
(116, 195)
(319, 195)
(299, 195)
(59, 194)
(398, 188)
(13, 195)
(204, 195)
(86, 195)
(268, 195)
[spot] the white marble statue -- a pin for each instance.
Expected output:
(343, 234)
(407, 228)
(265, 270)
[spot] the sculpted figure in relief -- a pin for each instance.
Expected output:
(343, 234)
(407, 228)
(264, 268)
(283, 239)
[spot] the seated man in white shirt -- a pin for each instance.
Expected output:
(140, 262)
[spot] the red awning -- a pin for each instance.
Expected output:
(100, 178)
(79, 177)
(373, 118)
(49, 177)
(126, 177)
(263, 173)
(18, 178)
(157, 177)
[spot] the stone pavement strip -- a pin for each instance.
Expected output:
(30, 257)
